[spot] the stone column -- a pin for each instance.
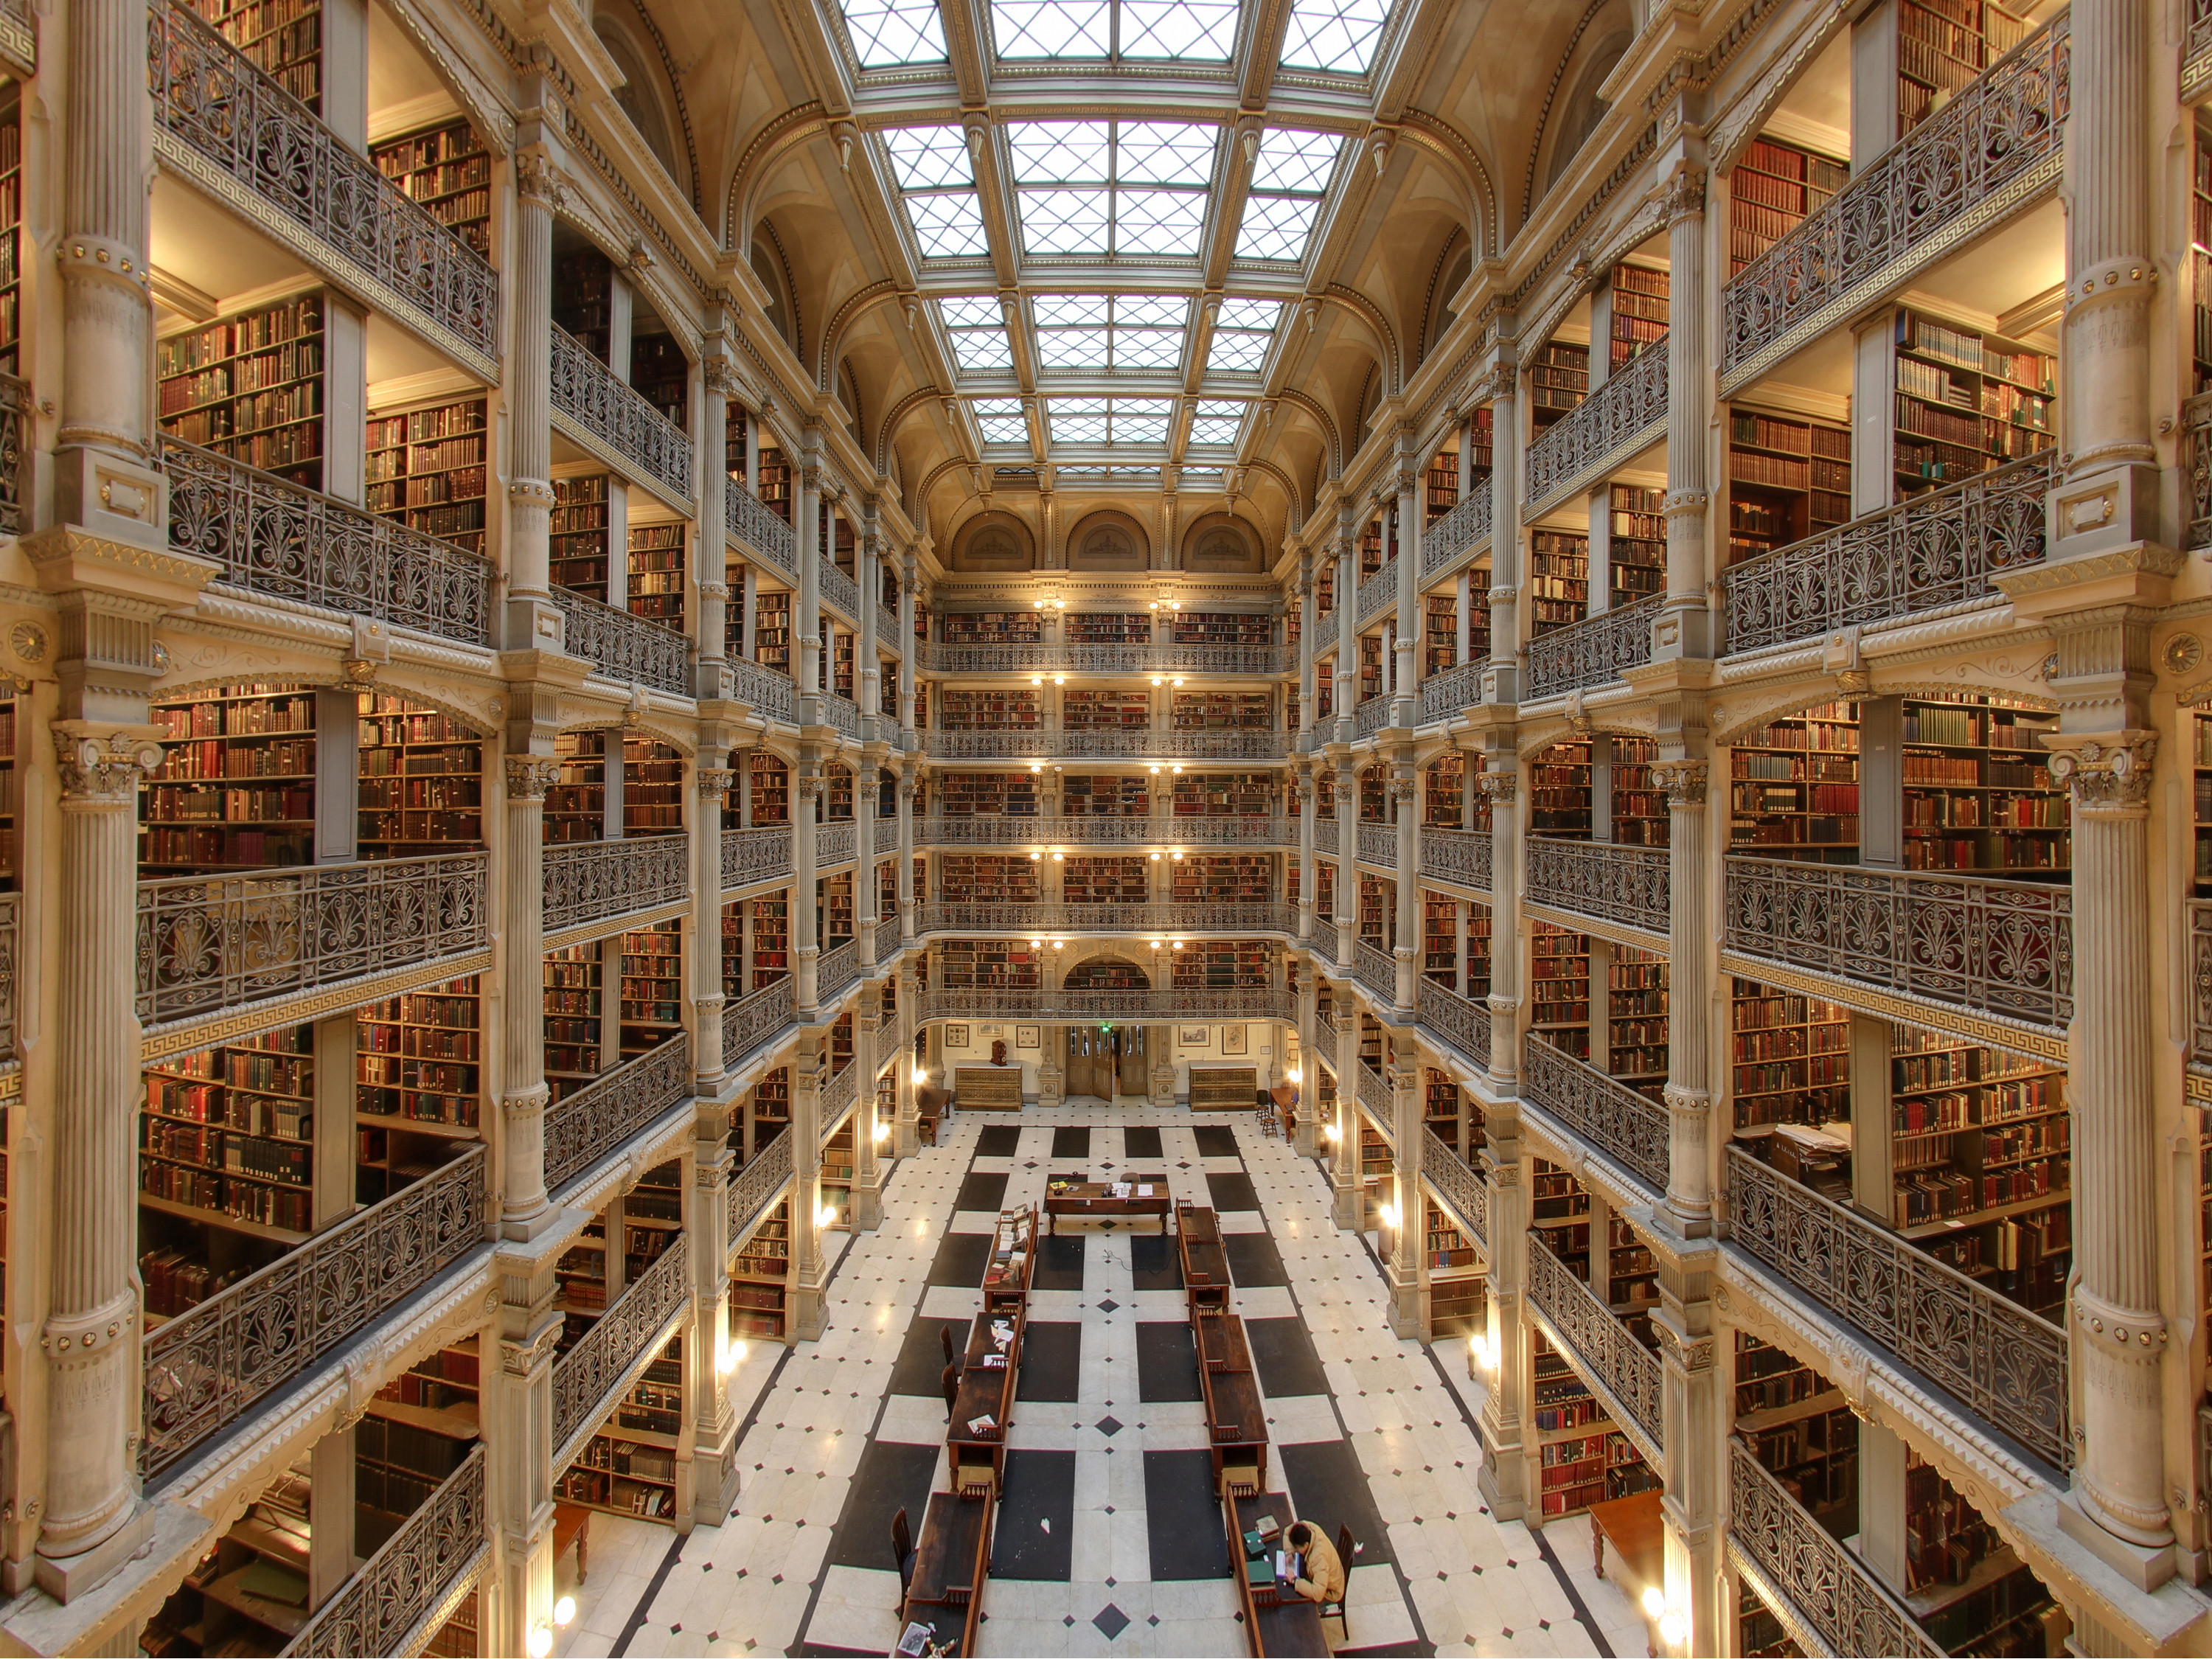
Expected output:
(907, 784)
(714, 1424)
(1344, 1173)
(807, 602)
(1348, 625)
(1410, 622)
(867, 794)
(711, 557)
(1691, 926)
(867, 1213)
(517, 1413)
(867, 669)
(1503, 1422)
(805, 910)
(1303, 800)
(1404, 1268)
(1683, 629)
(809, 1072)
(1405, 801)
(1347, 868)
(1309, 641)
(1501, 680)
(1308, 1083)
(533, 623)
(906, 1134)
(1501, 789)
(909, 586)
(707, 1058)
(525, 1208)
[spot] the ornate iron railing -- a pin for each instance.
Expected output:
(412, 1572)
(1598, 879)
(1324, 938)
(888, 636)
(615, 419)
(1371, 716)
(1324, 834)
(1936, 549)
(622, 646)
(765, 688)
(1451, 692)
(1036, 743)
(595, 880)
(1596, 651)
(1608, 1349)
(1998, 947)
(1325, 1034)
(1166, 657)
(272, 538)
(835, 969)
(1378, 845)
(227, 942)
(753, 1020)
(1256, 1004)
(755, 524)
(1377, 970)
(841, 715)
(205, 1367)
(1105, 918)
(838, 1093)
(1624, 414)
(886, 938)
(757, 1184)
(2200, 966)
(14, 441)
(841, 593)
(1100, 832)
(1375, 1098)
(1628, 1128)
(8, 949)
(1828, 1589)
(1462, 856)
(1995, 145)
(2196, 429)
(752, 855)
(1377, 592)
(587, 1376)
(1467, 525)
(609, 1110)
(247, 141)
(835, 843)
(2006, 1364)
(1462, 1021)
(1464, 1193)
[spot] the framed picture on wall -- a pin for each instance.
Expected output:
(1029, 1036)
(956, 1036)
(1192, 1037)
(1232, 1039)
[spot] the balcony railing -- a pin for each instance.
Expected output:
(1596, 651)
(752, 1021)
(755, 524)
(276, 539)
(1461, 1021)
(2007, 1365)
(610, 1110)
(1162, 1006)
(1195, 917)
(8, 936)
(622, 646)
(765, 689)
(207, 1366)
(2200, 964)
(2196, 426)
(1461, 856)
(249, 142)
(1465, 1193)
(589, 881)
(839, 1093)
(1325, 1033)
(1997, 947)
(1598, 879)
(757, 1185)
(841, 715)
(605, 415)
(1609, 1352)
(1325, 836)
(835, 971)
(1371, 716)
(1377, 970)
(888, 636)
(15, 428)
(412, 1574)
(1378, 845)
(835, 843)
(1620, 417)
(1936, 549)
(228, 942)
(1378, 592)
(752, 855)
(1452, 692)
(886, 938)
(1628, 1128)
(1995, 145)
(1374, 1099)
(1827, 1587)
(1467, 525)
(587, 1376)
(1170, 657)
(840, 593)
(1018, 831)
(1037, 744)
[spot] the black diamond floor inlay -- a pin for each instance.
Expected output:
(1111, 1621)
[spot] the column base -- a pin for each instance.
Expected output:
(1347, 1208)
(67, 1578)
(1499, 1482)
(906, 1137)
(1407, 1321)
(2144, 1566)
(805, 1310)
(868, 1202)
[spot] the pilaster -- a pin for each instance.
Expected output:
(525, 1208)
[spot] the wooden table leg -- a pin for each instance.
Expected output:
(1597, 1547)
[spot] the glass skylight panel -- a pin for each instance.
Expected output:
(1116, 331)
(1276, 226)
(978, 330)
(1175, 30)
(1164, 223)
(1295, 161)
(1241, 332)
(1201, 478)
(1064, 221)
(1110, 420)
(1052, 28)
(884, 33)
(1135, 188)
(1139, 477)
(1288, 179)
(948, 226)
(1214, 423)
(1335, 34)
(938, 186)
(1147, 348)
(1184, 31)
(1001, 420)
(1078, 420)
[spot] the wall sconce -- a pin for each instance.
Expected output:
(1060, 944)
(541, 1641)
(564, 1612)
(1059, 679)
(1387, 1214)
(1037, 858)
(1036, 944)
(1035, 767)
(1157, 943)
(1156, 857)
(882, 1131)
(1177, 770)
(1060, 858)
(1159, 679)
(1294, 1075)
(1330, 1134)
(1037, 679)
(826, 1216)
(1174, 944)
(920, 1076)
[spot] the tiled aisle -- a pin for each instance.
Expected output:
(1107, 1540)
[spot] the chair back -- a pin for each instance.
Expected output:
(944, 1336)
(903, 1548)
(1346, 1549)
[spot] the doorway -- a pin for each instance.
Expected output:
(1105, 1060)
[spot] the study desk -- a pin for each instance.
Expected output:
(950, 1561)
(1278, 1620)
(979, 1456)
(1083, 1200)
(1236, 1420)
(1204, 1263)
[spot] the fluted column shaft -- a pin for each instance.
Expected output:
(808, 621)
(867, 1213)
(1309, 1080)
(1407, 686)
(910, 679)
(1501, 681)
(1406, 1238)
(1348, 625)
(1505, 1408)
(2109, 273)
(1405, 799)
(524, 1204)
(907, 786)
(530, 389)
(1308, 882)
(711, 558)
(809, 1072)
(1345, 1171)
(867, 670)
(805, 912)
(1308, 642)
(1347, 872)
(1689, 396)
(1502, 789)
(906, 1132)
(713, 790)
(1690, 930)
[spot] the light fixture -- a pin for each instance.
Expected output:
(1036, 944)
(1480, 1354)
(1329, 1133)
(1035, 766)
(1156, 857)
(1174, 944)
(1059, 679)
(1177, 770)
(564, 1612)
(1654, 1601)
(1158, 942)
(1154, 606)
(1387, 1214)
(882, 1131)
(1293, 1075)
(1060, 858)
(1672, 1630)
(541, 1641)
(919, 1076)
(732, 1357)
(1037, 679)
(1159, 679)
(1176, 606)
(1059, 604)
(826, 1216)
(1177, 857)
(1038, 603)
(1060, 944)
(1177, 680)
(1037, 858)
(1156, 771)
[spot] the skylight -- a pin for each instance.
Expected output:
(1201, 476)
(937, 183)
(1241, 332)
(1177, 31)
(1147, 477)
(885, 33)
(1214, 422)
(1288, 179)
(1112, 188)
(1001, 420)
(1109, 332)
(1335, 34)
(1110, 420)
(978, 329)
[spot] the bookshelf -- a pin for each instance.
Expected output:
(833, 908)
(760, 1279)
(1370, 667)
(1478, 951)
(1223, 628)
(1964, 1584)
(995, 627)
(1444, 791)
(772, 629)
(1105, 627)
(446, 170)
(1639, 311)
(661, 374)
(579, 535)
(1558, 380)
(2200, 737)
(840, 663)
(1559, 790)
(2200, 262)
(987, 965)
(1441, 624)
(1224, 964)
(836, 1184)
(1582, 1460)
(771, 938)
(1796, 1423)
(988, 794)
(1104, 881)
(1791, 1056)
(1636, 543)
(1371, 547)
(11, 229)
(1635, 1020)
(236, 786)
(986, 878)
(1977, 788)
(628, 1467)
(836, 793)
(1440, 939)
(992, 711)
(1771, 190)
(1788, 478)
(1631, 1272)
(1559, 1210)
(770, 782)
(1941, 46)
(1640, 816)
(1374, 1174)
(580, 1277)
(249, 1594)
(1106, 711)
(250, 386)
(651, 987)
(427, 470)
(1222, 794)
(1224, 711)
(1440, 485)
(575, 1029)
(421, 788)
(1559, 987)
(417, 1060)
(227, 1136)
(576, 805)
(1378, 913)
(283, 38)
(1559, 579)
(771, 1105)
(1966, 402)
(652, 787)
(1794, 786)
(1759, 1634)
(419, 1428)
(775, 490)
(583, 284)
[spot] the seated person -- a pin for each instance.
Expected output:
(1320, 1574)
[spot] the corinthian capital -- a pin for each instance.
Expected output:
(1685, 195)
(2110, 771)
(540, 180)
(715, 782)
(1684, 780)
(103, 769)
(1498, 787)
(529, 777)
(720, 376)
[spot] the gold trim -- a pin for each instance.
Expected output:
(2042, 1042)
(19, 44)
(2197, 1086)
(2196, 76)
(181, 1037)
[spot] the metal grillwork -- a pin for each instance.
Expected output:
(587, 1376)
(1374, 1099)
(1378, 972)
(1324, 938)
(1596, 651)
(1994, 145)
(612, 416)
(888, 635)
(1464, 1193)
(622, 646)
(840, 1092)
(886, 938)
(2006, 1363)
(1038, 743)
(2200, 964)
(755, 524)
(2196, 429)
(1998, 947)
(1371, 716)
(1461, 856)
(1108, 1005)
(1324, 834)
(1607, 1350)
(836, 970)
(1378, 592)
(1097, 832)
(835, 843)
(1445, 694)
(1104, 918)
(1936, 549)
(841, 715)
(2197, 56)
(207, 1366)
(275, 539)
(8, 926)
(752, 1021)
(415, 1569)
(15, 426)
(757, 1185)
(841, 593)
(249, 141)
(763, 689)
(1378, 845)
(752, 855)
(1627, 412)
(1462, 1022)
(227, 942)
(1325, 1034)
(1166, 657)
(1466, 525)
(1629, 1129)
(590, 881)
(610, 1110)
(1598, 879)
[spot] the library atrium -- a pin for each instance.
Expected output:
(1393, 706)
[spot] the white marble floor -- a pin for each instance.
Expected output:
(781, 1576)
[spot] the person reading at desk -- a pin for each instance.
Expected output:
(1315, 1572)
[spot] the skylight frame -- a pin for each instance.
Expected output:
(906, 23)
(1336, 36)
(1283, 202)
(1058, 320)
(1123, 188)
(1217, 423)
(1113, 32)
(932, 175)
(1109, 422)
(1001, 422)
(977, 322)
(1237, 328)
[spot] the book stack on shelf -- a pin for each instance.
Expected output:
(994, 627)
(446, 170)
(651, 987)
(1371, 547)
(1637, 543)
(990, 794)
(1370, 667)
(2200, 737)
(1440, 938)
(992, 711)
(1577, 1443)
(1378, 913)
(652, 787)
(250, 386)
(1635, 1020)
(661, 374)
(582, 299)
(1639, 311)
(772, 629)
(427, 470)
(1559, 1213)
(227, 1137)
(628, 1467)
(986, 878)
(653, 1216)
(11, 229)
(1640, 816)
(1440, 485)
(1557, 380)
(1223, 628)
(769, 787)
(1106, 711)
(419, 1429)
(1770, 190)
(1559, 987)
(771, 1105)
(421, 788)
(580, 1277)
(1788, 478)
(986, 964)
(2200, 265)
(1459, 1304)
(1942, 45)
(1559, 579)
(1104, 881)
(576, 805)
(1374, 1175)
(1224, 711)
(837, 1188)
(1478, 951)
(282, 39)
(1792, 1055)
(1222, 794)
(1964, 1584)
(1441, 623)
(839, 662)
(1444, 791)
(416, 1060)
(236, 786)
(1632, 1273)
(249, 1595)
(1966, 402)
(1800, 1428)
(771, 938)
(1224, 965)
(834, 910)
(836, 793)
(656, 574)
(1107, 628)
(775, 490)
(1794, 788)
(574, 1031)
(1559, 790)
(1978, 789)
(761, 1277)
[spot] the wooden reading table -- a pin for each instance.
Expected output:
(1235, 1421)
(1204, 1263)
(950, 1561)
(1278, 1620)
(1007, 1274)
(1083, 1199)
(1632, 1526)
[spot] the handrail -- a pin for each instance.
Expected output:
(1606, 879)
(1378, 591)
(756, 1185)
(585, 1378)
(1038, 743)
(588, 881)
(613, 1108)
(1463, 856)
(1453, 691)
(756, 854)
(1169, 656)
(750, 1021)
(1607, 1347)
(1628, 410)
(1633, 1131)
(1377, 970)
(1372, 715)
(622, 646)
(1255, 1003)
(1014, 830)
(613, 415)
(837, 970)
(1461, 1021)
(1324, 940)
(835, 843)
(768, 691)
(1373, 1093)
(1595, 651)
(1465, 1193)
(839, 592)
(384, 1598)
(1466, 525)
(1191, 917)
(755, 524)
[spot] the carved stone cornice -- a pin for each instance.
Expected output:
(1684, 780)
(2109, 772)
(531, 777)
(103, 766)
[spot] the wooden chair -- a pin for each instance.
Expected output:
(1347, 1551)
(944, 1336)
(903, 1550)
(951, 1381)
(1240, 1473)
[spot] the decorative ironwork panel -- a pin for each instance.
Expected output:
(1627, 409)
(835, 969)
(1038, 743)
(1598, 879)
(2000, 947)
(622, 646)
(888, 636)
(586, 392)
(2006, 1365)
(272, 538)
(1451, 692)
(1996, 142)
(1628, 1128)
(1371, 716)
(838, 1093)
(2200, 963)
(15, 421)
(884, 837)
(8, 989)
(1324, 1032)
(835, 843)
(1939, 549)
(841, 593)
(407, 1576)
(2197, 54)
(1168, 658)
(757, 1184)
(1378, 972)
(1465, 1193)
(586, 1375)
(1324, 938)
(1466, 525)
(594, 880)
(1379, 592)
(1378, 845)
(1256, 1004)
(607, 1111)
(211, 942)
(1595, 651)
(267, 147)
(1458, 856)
(1608, 1349)
(752, 1021)
(1375, 1100)
(752, 855)
(1324, 834)
(207, 1366)
(763, 689)
(886, 938)
(1462, 1022)
(841, 715)
(940, 659)
(755, 524)
(1224, 915)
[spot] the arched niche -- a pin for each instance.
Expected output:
(1108, 969)
(995, 541)
(1221, 544)
(1109, 540)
